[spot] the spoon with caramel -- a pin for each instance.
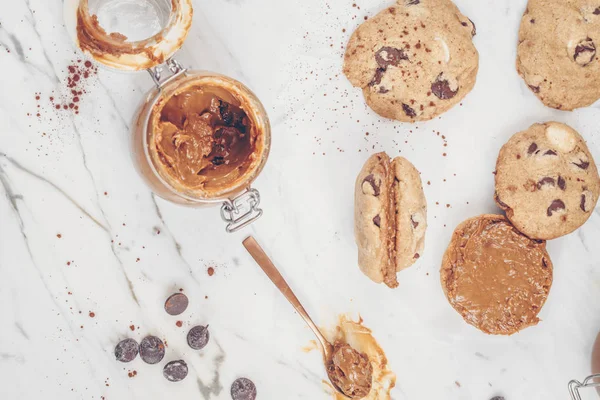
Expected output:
(349, 371)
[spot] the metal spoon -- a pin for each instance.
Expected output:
(269, 268)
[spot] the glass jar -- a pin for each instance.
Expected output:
(144, 34)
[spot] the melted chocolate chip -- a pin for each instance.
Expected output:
(441, 88)
(152, 350)
(597, 11)
(534, 89)
(532, 148)
(557, 205)
(126, 350)
(198, 337)
(371, 180)
(414, 223)
(585, 52)
(582, 164)
(474, 30)
(544, 263)
(582, 204)
(545, 181)
(561, 183)
(176, 304)
(377, 77)
(408, 110)
(550, 153)
(218, 160)
(243, 389)
(231, 115)
(387, 56)
(175, 371)
(377, 221)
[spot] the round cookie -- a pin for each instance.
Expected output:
(414, 60)
(546, 180)
(495, 277)
(556, 56)
(390, 217)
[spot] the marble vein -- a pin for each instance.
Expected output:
(176, 244)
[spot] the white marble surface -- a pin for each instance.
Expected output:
(55, 170)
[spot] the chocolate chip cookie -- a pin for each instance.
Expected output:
(546, 180)
(495, 277)
(557, 48)
(414, 60)
(390, 217)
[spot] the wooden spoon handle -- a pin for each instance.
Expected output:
(273, 273)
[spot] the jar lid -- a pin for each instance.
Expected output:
(128, 36)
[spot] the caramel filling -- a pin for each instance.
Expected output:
(499, 278)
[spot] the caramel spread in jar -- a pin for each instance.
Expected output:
(494, 276)
(204, 139)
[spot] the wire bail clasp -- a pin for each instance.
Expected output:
(592, 381)
(242, 210)
(173, 66)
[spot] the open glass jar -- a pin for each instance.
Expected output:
(198, 138)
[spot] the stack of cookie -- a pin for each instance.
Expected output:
(416, 60)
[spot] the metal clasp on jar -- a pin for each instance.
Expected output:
(242, 210)
(592, 381)
(156, 73)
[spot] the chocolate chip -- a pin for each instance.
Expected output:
(126, 350)
(474, 30)
(377, 221)
(534, 89)
(387, 56)
(416, 256)
(441, 88)
(544, 263)
(218, 160)
(377, 77)
(408, 110)
(561, 183)
(175, 371)
(412, 2)
(414, 223)
(586, 201)
(585, 52)
(597, 11)
(532, 148)
(152, 350)
(371, 180)
(198, 337)
(582, 164)
(243, 389)
(545, 181)
(557, 205)
(176, 304)
(550, 153)
(231, 115)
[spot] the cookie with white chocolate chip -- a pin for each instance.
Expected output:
(547, 181)
(557, 52)
(414, 60)
(390, 217)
